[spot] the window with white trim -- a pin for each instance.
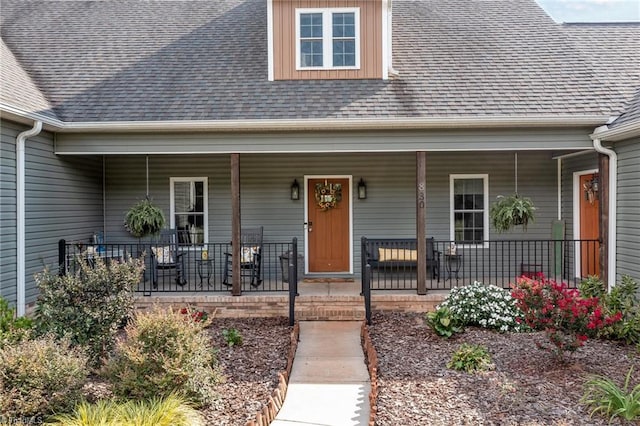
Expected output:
(189, 209)
(328, 38)
(469, 209)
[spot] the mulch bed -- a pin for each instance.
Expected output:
(527, 386)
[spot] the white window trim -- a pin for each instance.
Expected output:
(172, 208)
(452, 232)
(327, 37)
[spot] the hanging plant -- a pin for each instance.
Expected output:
(144, 219)
(511, 211)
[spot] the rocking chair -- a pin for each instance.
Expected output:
(250, 257)
(165, 256)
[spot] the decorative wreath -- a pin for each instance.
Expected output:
(328, 195)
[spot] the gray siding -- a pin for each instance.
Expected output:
(628, 217)
(8, 135)
(63, 200)
(388, 211)
(313, 142)
(586, 161)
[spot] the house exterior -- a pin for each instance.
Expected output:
(215, 109)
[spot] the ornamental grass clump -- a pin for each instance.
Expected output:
(567, 318)
(486, 306)
(164, 352)
(605, 397)
(172, 410)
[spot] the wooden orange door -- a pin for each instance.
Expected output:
(589, 229)
(328, 229)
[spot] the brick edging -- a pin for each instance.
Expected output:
(270, 410)
(371, 358)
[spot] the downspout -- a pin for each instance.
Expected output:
(613, 188)
(20, 216)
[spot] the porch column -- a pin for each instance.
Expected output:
(603, 221)
(421, 219)
(236, 279)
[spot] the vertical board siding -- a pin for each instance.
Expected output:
(284, 40)
(63, 199)
(388, 211)
(586, 161)
(8, 134)
(628, 217)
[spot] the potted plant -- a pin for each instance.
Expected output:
(511, 211)
(144, 219)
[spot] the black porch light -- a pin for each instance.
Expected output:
(295, 190)
(362, 190)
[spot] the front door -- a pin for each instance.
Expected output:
(328, 233)
(589, 227)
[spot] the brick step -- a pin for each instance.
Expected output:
(328, 310)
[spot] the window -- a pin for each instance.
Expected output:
(469, 204)
(189, 209)
(327, 38)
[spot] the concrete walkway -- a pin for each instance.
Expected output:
(329, 384)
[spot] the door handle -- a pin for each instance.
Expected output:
(309, 226)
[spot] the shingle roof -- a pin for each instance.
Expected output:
(207, 60)
(17, 89)
(613, 51)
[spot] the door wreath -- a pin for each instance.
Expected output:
(328, 195)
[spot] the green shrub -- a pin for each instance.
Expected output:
(605, 397)
(443, 322)
(40, 376)
(624, 298)
(470, 358)
(232, 337)
(164, 352)
(12, 329)
(90, 305)
(172, 410)
(592, 287)
(486, 306)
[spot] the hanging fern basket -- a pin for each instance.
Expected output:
(144, 219)
(511, 211)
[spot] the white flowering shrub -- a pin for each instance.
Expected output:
(487, 306)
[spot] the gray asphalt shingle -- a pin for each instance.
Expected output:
(207, 60)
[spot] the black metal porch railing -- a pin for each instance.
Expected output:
(498, 262)
(197, 273)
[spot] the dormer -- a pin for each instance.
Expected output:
(329, 39)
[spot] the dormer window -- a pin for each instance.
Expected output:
(328, 38)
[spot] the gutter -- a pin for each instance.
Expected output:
(20, 215)
(338, 124)
(613, 189)
(620, 132)
(406, 123)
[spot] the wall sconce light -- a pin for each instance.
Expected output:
(362, 190)
(295, 190)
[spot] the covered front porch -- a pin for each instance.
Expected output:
(408, 192)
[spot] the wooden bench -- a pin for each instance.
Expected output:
(399, 255)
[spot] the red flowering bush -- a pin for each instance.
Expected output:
(195, 314)
(567, 318)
